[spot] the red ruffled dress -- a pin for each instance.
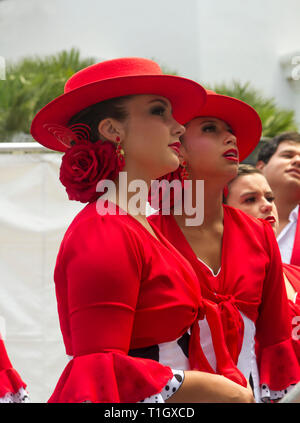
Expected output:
(292, 272)
(122, 295)
(250, 293)
(12, 387)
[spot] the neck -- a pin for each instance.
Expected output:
(285, 203)
(211, 205)
(131, 193)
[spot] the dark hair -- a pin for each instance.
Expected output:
(270, 147)
(92, 115)
(243, 169)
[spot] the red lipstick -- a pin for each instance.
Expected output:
(175, 146)
(270, 219)
(231, 154)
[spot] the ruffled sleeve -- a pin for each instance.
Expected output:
(10, 381)
(292, 273)
(98, 277)
(277, 362)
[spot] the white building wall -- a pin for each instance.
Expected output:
(211, 41)
(245, 40)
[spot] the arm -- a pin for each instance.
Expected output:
(97, 278)
(201, 387)
(277, 362)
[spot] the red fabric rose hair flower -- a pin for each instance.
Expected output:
(84, 165)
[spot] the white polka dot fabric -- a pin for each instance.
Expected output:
(171, 387)
(19, 397)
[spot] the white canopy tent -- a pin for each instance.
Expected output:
(34, 214)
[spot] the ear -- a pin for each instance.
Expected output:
(260, 165)
(110, 129)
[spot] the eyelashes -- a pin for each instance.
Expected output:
(158, 110)
(271, 199)
(252, 200)
(214, 128)
(209, 128)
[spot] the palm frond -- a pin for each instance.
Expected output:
(274, 118)
(32, 83)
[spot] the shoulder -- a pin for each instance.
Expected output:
(259, 230)
(155, 217)
(243, 218)
(164, 223)
(293, 274)
(92, 229)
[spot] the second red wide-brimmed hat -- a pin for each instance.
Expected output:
(242, 118)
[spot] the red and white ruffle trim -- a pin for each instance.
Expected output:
(171, 387)
(278, 367)
(267, 395)
(21, 396)
(110, 377)
(10, 382)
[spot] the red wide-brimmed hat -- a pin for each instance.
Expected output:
(242, 118)
(111, 79)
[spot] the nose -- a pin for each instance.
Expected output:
(296, 160)
(230, 138)
(177, 128)
(266, 206)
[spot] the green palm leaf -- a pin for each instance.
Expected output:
(274, 118)
(30, 84)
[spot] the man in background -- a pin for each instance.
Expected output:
(279, 160)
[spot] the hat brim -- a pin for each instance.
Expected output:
(242, 118)
(186, 97)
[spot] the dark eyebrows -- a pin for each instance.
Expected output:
(255, 193)
(215, 122)
(208, 121)
(160, 100)
(288, 151)
(248, 193)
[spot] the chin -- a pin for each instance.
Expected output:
(172, 165)
(230, 174)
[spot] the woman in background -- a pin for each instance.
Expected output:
(250, 192)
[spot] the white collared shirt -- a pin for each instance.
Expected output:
(286, 237)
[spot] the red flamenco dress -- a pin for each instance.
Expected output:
(125, 300)
(292, 273)
(250, 294)
(12, 388)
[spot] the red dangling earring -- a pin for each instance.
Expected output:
(184, 173)
(120, 154)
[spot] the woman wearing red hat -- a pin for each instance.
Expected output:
(236, 257)
(250, 192)
(12, 387)
(126, 297)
